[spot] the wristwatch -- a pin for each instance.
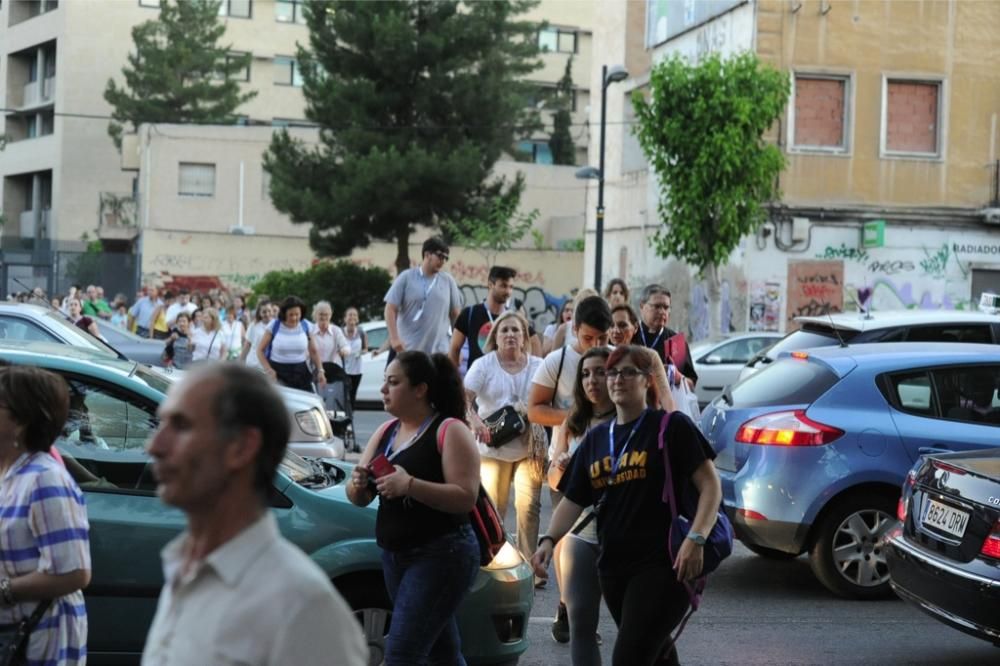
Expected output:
(697, 538)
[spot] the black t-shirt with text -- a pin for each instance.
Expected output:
(632, 519)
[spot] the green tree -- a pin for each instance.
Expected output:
(702, 130)
(494, 231)
(416, 100)
(561, 141)
(343, 284)
(179, 71)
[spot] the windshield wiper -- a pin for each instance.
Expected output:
(727, 396)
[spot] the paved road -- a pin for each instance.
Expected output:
(762, 612)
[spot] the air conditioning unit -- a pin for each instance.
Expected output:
(990, 215)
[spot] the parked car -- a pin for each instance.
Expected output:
(130, 345)
(113, 413)
(372, 363)
(887, 326)
(944, 557)
(813, 449)
(719, 362)
(113, 404)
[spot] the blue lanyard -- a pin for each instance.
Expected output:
(616, 460)
(642, 334)
(395, 431)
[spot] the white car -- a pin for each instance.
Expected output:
(718, 363)
(372, 364)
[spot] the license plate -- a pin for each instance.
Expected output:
(943, 517)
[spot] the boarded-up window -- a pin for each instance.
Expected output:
(820, 112)
(911, 120)
(196, 180)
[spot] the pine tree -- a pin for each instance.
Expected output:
(416, 101)
(561, 141)
(179, 72)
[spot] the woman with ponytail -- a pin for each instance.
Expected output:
(424, 466)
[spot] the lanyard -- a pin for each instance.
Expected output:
(418, 435)
(642, 333)
(616, 460)
(489, 314)
(427, 291)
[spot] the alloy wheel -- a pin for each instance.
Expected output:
(857, 548)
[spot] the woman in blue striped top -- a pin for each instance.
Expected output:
(44, 542)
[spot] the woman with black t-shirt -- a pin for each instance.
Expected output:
(618, 469)
(427, 481)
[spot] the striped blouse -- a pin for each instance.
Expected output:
(43, 527)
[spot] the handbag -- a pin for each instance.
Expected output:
(14, 637)
(505, 424)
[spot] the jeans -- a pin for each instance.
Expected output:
(646, 605)
(582, 593)
(496, 476)
(427, 584)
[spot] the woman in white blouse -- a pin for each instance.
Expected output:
(286, 347)
(208, 343)
(499, 378)
(331, 343)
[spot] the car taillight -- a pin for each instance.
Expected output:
(792, 428)
(991, 547)
(901, 510)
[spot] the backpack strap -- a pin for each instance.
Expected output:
(274, 332)
(443, 430)
(555, 389)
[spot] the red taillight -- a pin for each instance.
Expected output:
(991, 547)
(792, 428)
(901, 510)
(751, 515)
(945, 467)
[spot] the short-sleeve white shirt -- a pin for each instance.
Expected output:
(548, 374)
(495, 388)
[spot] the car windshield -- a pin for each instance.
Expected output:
(80, 337)
(787, 382)
(807, 338)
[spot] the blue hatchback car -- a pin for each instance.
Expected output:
(813, 449)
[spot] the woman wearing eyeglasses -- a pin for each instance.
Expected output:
(618, 469)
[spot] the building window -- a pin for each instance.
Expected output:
(554, 40)
(196, 180)
(536, 151)
(820, 115)
(236, 8)
(287, 71)
(911, 117)
(289, 11)
(240, 74)
(152, 4)
(265, 185)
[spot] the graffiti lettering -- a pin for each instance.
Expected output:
(935, 264)
(818, 278)
(889, 295)
(815, 308)
(819, 290)
(890, 267)
(843, 252)
(541, 307)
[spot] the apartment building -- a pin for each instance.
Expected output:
(890, 195)
(63, 178)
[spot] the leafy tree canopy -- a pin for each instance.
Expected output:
(416, 100)
(343, 284)
(179, 72)
(702, 130)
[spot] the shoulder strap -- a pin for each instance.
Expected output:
(384, 428)
(443, 430)
(305, 327)
(274, 331)
(668, 480)
(555, 389)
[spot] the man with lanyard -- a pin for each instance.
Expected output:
(653, 332)
(421, 303)
(475, 321)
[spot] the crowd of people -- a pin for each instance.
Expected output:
(594, 398)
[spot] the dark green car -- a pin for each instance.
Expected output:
(113, 413)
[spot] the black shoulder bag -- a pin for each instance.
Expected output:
(14, 637)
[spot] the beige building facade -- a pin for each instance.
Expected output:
(890, 194)
(62, 176)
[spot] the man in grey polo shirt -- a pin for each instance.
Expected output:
(235, 591)
(422, 303)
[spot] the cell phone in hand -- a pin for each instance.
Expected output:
(380, 466)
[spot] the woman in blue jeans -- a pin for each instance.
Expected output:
(429, 553)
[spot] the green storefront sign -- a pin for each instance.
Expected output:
(873, 234)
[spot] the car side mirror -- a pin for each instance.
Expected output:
(714, 359)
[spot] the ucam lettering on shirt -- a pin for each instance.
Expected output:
(632, 468)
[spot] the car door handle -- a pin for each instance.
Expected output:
(931, 450)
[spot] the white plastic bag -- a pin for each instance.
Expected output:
(685, 400)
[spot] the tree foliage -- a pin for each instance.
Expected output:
(179, 72)
(494, 231)
(416, 100)
(561, 141)
(343, 284)
(702, 130)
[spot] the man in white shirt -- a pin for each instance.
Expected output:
(235, 590)
(182, 304)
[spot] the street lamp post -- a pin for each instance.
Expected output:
(609, 75)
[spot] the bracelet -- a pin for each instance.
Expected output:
(6, 594)
(409, 487)
(545, 537)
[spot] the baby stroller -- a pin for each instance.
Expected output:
(337, 398)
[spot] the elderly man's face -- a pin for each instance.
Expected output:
(189, 456)
(656, 311)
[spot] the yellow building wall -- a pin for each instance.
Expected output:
(955, 40)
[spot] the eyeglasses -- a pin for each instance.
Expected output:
(659, 306)
(624, 373)
(443, 256)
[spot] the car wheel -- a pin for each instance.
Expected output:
(847, 555)
(769, 553)
(371, 606)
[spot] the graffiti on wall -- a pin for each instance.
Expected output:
(888, 294)
(814, 288)
(541, 307)
(859, 255)
(765, 306)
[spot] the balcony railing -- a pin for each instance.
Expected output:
(118, 214)
(39, 92)
(35, 224)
